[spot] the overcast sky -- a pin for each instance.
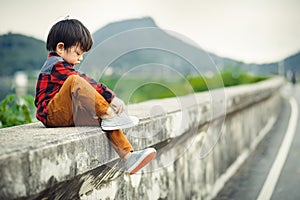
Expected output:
(247, 30)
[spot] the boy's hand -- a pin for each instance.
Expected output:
(118, 105)
(109, 114)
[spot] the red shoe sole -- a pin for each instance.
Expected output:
(143, 163)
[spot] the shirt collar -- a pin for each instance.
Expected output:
(52, 53)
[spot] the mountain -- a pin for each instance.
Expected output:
(121, 26)
(292, 62)
(19, 52)
(140, 47)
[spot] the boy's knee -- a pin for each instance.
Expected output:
(72, 78)
(76, 80)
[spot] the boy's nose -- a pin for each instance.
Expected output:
(81, 57)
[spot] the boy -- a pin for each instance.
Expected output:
(65, 97)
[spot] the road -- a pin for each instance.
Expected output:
(273, 170)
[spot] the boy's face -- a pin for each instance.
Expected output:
(72, 55)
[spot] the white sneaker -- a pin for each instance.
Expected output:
(119, 122)
(139, 159)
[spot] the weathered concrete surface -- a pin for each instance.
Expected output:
(198, 138)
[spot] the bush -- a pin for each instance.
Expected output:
(230, 76)
(16, 111)
(164, 88)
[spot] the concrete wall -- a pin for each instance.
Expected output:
(201, 140)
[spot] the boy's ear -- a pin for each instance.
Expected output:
(60, 47)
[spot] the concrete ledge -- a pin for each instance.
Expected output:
(34, 159)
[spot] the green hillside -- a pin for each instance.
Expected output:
(19, 52)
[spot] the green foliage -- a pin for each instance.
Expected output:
(134, 90)
(158, 91)
(164, 88)
(198, 83)
(234, 75)
(229, 76)
(16, 111)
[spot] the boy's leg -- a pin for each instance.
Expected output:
(119, 142)
(60, 107)
(78, 103)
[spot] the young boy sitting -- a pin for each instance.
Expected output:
(66, 97)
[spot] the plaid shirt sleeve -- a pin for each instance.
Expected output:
(50, 82)
(100, 87)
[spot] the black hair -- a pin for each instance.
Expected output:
(70, 32)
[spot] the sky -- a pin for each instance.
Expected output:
(251, 31)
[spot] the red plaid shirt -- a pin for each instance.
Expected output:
(51, 78)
